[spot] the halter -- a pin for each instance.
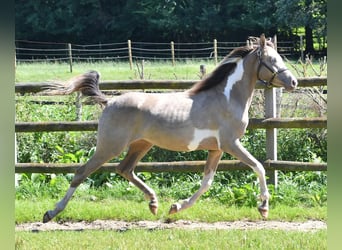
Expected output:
(269, 83)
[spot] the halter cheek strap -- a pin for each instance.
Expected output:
(268, 83)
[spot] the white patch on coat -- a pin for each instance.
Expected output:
(207, 181)
(200, 135)
(233, 78)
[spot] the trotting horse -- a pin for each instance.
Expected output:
(212, 115)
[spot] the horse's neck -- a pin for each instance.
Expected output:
(238, 90)
(239, 86)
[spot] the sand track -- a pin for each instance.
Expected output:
(122, 226)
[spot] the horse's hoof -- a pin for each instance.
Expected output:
(174, 208)
(153, 207)
(263, 211)
(46, 217)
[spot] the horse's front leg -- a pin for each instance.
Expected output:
(237, 150)
(209, 172)
(126, 167)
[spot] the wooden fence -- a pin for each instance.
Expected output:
(34, 87)
(270, 123)
(27, 51)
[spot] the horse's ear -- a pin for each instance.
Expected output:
(262, 41)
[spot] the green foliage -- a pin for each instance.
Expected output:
(40, 185)
(309, 189)
(236, 188)
(92, 21)
(309, 145)
(303, 13)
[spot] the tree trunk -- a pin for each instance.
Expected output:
(309, 49)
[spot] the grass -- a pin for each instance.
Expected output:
(173, 239)
(157, 70)
(38, 72)
(93, 204)
(206, 210)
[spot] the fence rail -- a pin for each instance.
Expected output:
(35, 87)
(178, 166)
(92, 125)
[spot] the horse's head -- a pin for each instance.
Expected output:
(271, 69)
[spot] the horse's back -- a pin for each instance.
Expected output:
(171, 108)
(164, 119)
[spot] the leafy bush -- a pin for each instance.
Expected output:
(41, 185)
(236, 188)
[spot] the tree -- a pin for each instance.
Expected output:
(105, 21)
(63, 21)
(310, 14)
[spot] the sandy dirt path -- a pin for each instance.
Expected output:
(310, 225)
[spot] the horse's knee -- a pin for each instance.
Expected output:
(259, 170)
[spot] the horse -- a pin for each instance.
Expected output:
(212, 115)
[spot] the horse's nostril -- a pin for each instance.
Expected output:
(294, 83)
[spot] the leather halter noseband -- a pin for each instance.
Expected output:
(269, 83)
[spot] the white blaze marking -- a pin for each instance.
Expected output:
(233, 78)
(200, 135)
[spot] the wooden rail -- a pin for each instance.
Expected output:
(92, 125)
(181, 166)
(35, 87)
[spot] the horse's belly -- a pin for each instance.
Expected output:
(189, 139)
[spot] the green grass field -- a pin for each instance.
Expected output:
(38, 72)
(173, 239)
(205, 210)
(155, 70)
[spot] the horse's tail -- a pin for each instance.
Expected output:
(87, 84)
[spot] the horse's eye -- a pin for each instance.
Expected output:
(273, 60)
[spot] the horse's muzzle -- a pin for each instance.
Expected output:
(292, 85)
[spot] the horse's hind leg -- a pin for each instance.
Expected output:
(98, 159)
(126, 169)
(209, 172)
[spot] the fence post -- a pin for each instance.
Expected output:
(130, 54)
(17, 176)
(70, 56)
(301, 46)
(271, 134)
(215, 51)
(203, 71)
(78, 104)
(173, 53)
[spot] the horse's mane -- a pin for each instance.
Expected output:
(226, 66)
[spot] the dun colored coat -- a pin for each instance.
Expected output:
(212, 115)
